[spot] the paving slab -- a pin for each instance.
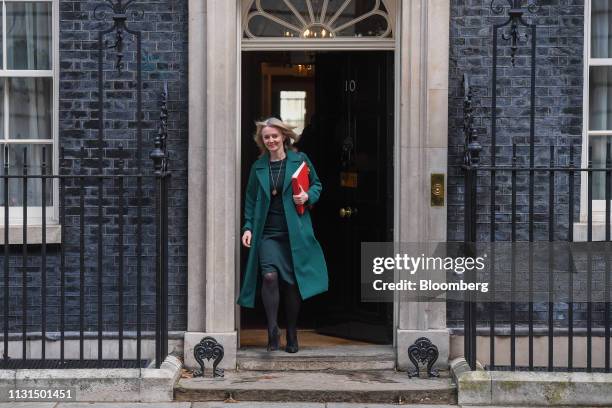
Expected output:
(96, 385)
(221, 404)
(123, 405)
(329, 386)
(113, 384)
(7, 383)
(257, 404)
(551, 389)
(353, 405)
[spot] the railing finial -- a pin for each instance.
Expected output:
(159, 154)
(119, 10)
(515, 11)
(472, 147)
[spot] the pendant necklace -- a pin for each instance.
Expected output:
(274, 192)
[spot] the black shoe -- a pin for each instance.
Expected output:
(274, 339)
(292, 341)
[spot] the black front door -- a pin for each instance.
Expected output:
(353, 154)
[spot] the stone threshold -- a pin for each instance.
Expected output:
(341, 358)
(99, 385)
(379, 386)
(533, 389)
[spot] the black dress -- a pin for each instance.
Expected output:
(274, 248)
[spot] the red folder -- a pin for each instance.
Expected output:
(300, 179)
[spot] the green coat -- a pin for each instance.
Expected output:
(308, 260)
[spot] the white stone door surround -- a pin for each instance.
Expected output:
(421, 145)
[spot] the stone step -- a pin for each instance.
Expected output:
(344, 358)
(328, 386)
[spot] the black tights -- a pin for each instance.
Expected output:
(270, 294)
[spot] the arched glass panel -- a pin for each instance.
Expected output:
(304, 9)
(353, 10)
(279, 8)
(314, 19)
(332, 8)
(373, 26)
(260, 26)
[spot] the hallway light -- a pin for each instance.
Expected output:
(317, 32)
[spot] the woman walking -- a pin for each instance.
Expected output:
(283, 248)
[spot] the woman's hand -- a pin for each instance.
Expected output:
(246, 239)
(301, 198)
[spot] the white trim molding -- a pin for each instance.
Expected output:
(422, 149)
(196, 171)
(34, 213)
(598, 206)
(272, 44)
(317, 25)
(53, 234)
(212, 176)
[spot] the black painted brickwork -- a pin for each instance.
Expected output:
(165, 59)
(558, 116)
(164, 56)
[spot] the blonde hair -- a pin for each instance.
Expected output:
(285, 129)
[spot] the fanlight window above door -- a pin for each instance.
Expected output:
(317, 19)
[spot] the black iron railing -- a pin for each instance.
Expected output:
(496, 197)
(529, 195)
(483, 181)
(84, 212)
(107, 278)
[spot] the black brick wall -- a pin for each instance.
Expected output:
(558, 120)
(164, 27)
(163, 24)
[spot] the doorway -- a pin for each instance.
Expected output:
(342, 104)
